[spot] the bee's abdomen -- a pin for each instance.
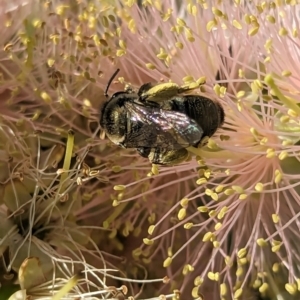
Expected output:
(207, 113)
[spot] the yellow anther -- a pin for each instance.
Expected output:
(242, 253)
(291, 288)
(167, 262)
(259, 187)
(203, 209)
(151, 229)
(263, 288)
(261, 242)
(119, 187)
(188, 225)
(238, 293)
(237, 24)
(201, 181)
(213, 276)
(181, 214)
(207, 236)
(198, 281)
(275, 218)
(148, 242)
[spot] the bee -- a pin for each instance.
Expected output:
(160, 120)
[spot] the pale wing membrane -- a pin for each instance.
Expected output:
(161, 128)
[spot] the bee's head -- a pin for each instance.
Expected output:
(113, 119)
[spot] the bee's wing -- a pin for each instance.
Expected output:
(162, 128)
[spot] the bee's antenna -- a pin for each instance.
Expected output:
(110, 81)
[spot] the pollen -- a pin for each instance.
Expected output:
(213, 276)
(116, 169)
(275, 267)
(189, 35)
(216, 244)
(192, 9)
(223, 289)
(228, 261)
(166, 16)
(181, 214)
(214, 196)
(238, 293)
(203, 209)
(184, 202)
(253, 30)
(167, 262)
(243, 196)
(187, 269)
(242, 253)
(261, 242)
(46, 97)
(208, 192)
(283, 155)
(181, 22)
(243, 261)
(154, 169)
(259, 187)
(119, 187)
(219, 188)
(286, 73)
(61, 9)
(275, 218)
(188, 225)
(211, 25)
(132, 26)
(263, 288)
(238, 189)
(218, 226)
(295, 33)
(229, 192)
(291, 288)
(222, 213)
(188, 79)
(207, 173)
(151, 229)
(237, 24)
(115, 203)
(207, 236)
(239, 272)
(212, 213)
(148, 242)
(276, 248)
(179, 45)
(195, 292)
(283, 31)
(162, 54)
(201, 181)
(270, 153)
(217, 12)
(240, 94)
(241, 73)
(284, 119)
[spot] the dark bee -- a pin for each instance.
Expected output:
(160, 121)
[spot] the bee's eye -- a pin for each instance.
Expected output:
(117, 94)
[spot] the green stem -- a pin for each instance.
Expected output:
(287, 101)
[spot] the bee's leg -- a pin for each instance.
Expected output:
(144, 89)
(162, 92)
(203, 142)
(144, 152)
(168, 157)
(128, 88)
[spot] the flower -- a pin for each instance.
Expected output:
(49, 121)
(225, 222)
